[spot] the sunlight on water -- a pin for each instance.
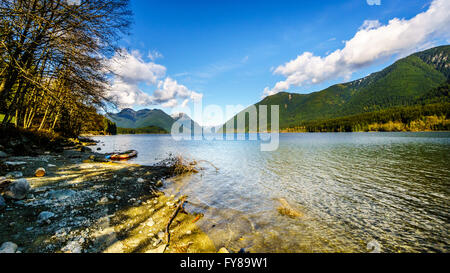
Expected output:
(350, 188)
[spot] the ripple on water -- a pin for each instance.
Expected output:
(351, 188)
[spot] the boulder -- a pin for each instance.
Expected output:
(18, 189)
(8, 247)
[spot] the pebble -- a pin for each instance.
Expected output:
(8, 247)
(140, 180)
(161, 235)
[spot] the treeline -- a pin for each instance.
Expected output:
(429, 117)
(53, 73)
(145, 130)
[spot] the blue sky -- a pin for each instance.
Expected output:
(228, 51)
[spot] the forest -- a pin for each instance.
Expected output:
(53, 74)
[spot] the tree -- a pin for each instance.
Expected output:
(52, 59)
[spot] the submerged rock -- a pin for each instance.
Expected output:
(8, 247)
(287, 210)
(18, 189)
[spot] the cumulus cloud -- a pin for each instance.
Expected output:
(131, 72)
(372, 42)
(170, 88)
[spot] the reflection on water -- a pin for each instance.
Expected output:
(352, 189)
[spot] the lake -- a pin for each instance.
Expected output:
(388, 190)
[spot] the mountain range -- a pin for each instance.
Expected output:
(130, 119)
(406, 82)
(400, 84)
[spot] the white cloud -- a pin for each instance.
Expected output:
(130, 72)
(170, 88)
(372, 42)
(154, 54)
(130, 67)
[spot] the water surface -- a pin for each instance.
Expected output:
(352, 188)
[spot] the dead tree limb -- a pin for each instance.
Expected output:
(175, 213)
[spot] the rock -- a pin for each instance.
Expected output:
(72, 247)
(2, 203)
(14, 175)
(61, 194)
(18, 189)
(223, 251)
(8, 247)
(99, 149)
(44, 216)
(140, 180)
(159, 184)
(288, 210)
(40, 172)
(104, 200)
(3, 154)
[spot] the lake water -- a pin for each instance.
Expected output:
(385, 189)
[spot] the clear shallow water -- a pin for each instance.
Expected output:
(352, 188)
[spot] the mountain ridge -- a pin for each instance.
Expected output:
(399, 84)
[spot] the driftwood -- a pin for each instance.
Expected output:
(206, 161)
(175, 213)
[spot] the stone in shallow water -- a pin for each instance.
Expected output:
(8, 247)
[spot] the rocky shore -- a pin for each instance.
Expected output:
(86, 204)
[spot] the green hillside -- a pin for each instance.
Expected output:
(400, 84)
(147, 119)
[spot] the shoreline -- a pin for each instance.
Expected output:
(85, 206)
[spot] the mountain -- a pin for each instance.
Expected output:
(400, 84)
(130, 119)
